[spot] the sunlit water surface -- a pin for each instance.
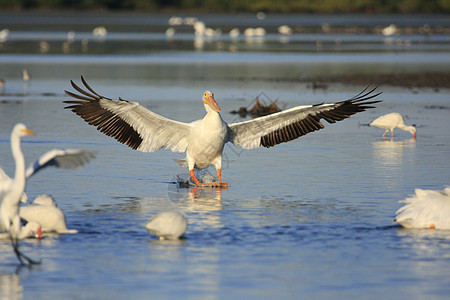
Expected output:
(309, 219)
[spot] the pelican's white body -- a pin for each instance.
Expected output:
(206, 141)
(426, 209)
(168, 225)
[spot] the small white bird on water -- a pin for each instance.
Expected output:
(391, 121)
(425, 209)
(44, 211)
(169, 225)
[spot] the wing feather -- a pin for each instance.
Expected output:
(293, 123)
(67, 159)
(128, 122)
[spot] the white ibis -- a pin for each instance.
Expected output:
(391, 121)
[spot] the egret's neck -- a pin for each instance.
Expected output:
(19, 177)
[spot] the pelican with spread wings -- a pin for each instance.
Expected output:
(203, 140)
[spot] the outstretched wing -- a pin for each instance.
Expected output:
(128, 122)
(67, 159)
(290, 124)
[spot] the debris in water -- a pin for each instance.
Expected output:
(259, 108)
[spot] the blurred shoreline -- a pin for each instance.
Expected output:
(409, 80)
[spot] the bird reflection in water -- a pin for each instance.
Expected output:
(183, 192)
(390, 152)
(10, 286)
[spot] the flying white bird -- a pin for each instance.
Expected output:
(44, 211)
(203, 140)
(391, 121)
(11, 191)
(425, 209)
(169, 225)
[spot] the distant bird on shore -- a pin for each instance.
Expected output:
(4, 35)
(169, 225)
(234, 33)
(254, 32)
(170, 32)
(284, 29)
(425, 209)
(100, 31)
(25, 75)
(391, 121)
(389, 30)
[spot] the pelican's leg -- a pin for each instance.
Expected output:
(219, 175)
(191, 172)
(20, 255)
(384, 134)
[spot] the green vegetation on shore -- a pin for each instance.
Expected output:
(286, 6)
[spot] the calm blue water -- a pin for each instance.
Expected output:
(311, 218)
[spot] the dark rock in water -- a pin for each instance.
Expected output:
(259, 108)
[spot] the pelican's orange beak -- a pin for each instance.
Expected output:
(212, 103)
(414, 135)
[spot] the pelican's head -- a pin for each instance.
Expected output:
(21, 130)
(208, 100)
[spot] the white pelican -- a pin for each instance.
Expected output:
(44, 211)
(203, 140)
(169, 225)
(391, 121)
(425, 209)
(11, 192)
